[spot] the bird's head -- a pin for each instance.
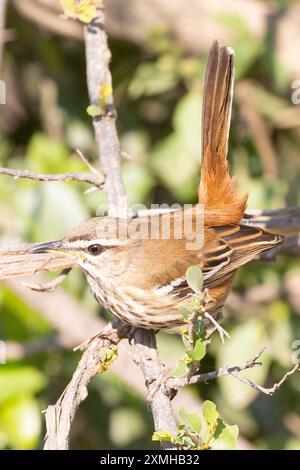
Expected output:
(96, 246)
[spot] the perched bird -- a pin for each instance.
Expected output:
(142, 279)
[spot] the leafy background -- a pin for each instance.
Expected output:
(158, 84)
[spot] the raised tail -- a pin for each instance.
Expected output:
(218, 190)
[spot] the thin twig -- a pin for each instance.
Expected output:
(234, 371)
(266, 391)
(96, 179)
(219, 328)
(50, 285)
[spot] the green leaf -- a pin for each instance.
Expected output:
(192, 420)
(184, 441)
(94, 110)
(199, 351)
(227, 439)
(107, 356)
(105, 94)
(180, 370)
(161, 436)
(209, 412)
(86, 11)
(194, 278)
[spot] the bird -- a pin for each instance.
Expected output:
(142, 279)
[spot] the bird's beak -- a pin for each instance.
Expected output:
(47, 247)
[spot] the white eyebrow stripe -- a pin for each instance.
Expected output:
(79, 244)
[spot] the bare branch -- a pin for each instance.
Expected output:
(234, 371)
(266, 391)
(98, 75)
(48, 286)
(154, 374)
(59, 417)
(96, 179)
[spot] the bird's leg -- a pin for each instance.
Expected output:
(131, 334)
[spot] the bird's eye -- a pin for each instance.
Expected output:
(95, 249)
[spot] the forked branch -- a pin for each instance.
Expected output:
(234, 371)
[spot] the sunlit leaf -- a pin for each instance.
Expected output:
(227, 440)
(192, 420)
(105, 94)
(86, 11)
(209, 412)
(94, 111)
(199, 351)
(161, 436)
(194, 278)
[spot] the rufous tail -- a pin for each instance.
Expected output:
(218, 190)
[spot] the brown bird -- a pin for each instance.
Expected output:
(142, 280)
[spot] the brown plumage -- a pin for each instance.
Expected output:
(142, 279)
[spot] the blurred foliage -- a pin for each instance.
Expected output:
(158, 94)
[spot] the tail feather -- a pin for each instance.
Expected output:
(217, 190)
